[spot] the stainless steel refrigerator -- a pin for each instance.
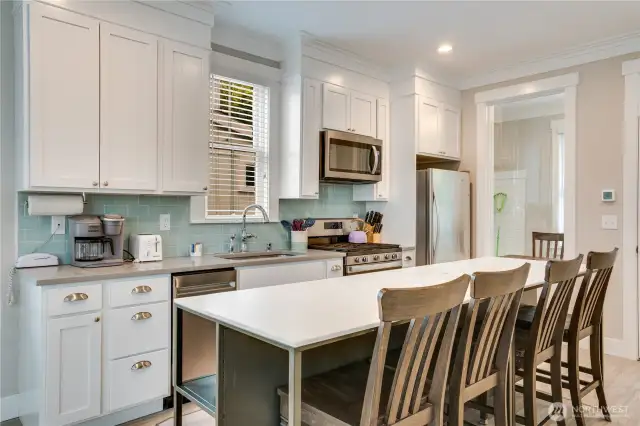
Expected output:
(443, 216)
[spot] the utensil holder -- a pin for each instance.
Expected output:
(299, 241)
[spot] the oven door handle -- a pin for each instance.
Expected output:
(373, 267)
(376, 160)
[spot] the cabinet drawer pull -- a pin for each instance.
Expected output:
(336, 267)
(141, 365)
(76, 297)
(141, 316)
(141, 289)
(408, 258)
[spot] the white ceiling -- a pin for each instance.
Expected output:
(486, 36)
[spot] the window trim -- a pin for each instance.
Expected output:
(244, 70)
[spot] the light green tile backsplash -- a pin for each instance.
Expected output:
(142, 216)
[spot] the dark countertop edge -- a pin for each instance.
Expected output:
(135, 272)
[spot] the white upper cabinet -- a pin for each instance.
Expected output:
(128, 109)
(428, 127)
(438, 128)
(63, 108)
(336, 107)
(311, 117)
(73, 369)
(363, 114)
(348, 111)
(185, 117)
(450, 142)
(380, 190)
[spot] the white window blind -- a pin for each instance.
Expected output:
(239, 147)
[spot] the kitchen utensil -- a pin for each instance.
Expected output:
(287, 225)
(297, 224)
(308, 223)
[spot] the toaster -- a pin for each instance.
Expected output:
(146, 247)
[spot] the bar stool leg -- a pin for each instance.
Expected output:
(529, 384)
(456, 409)
(574, 380)
(484, 400)
(595, 345)
(556, 375)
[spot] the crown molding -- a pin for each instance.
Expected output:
(603, 49)
(316, 48)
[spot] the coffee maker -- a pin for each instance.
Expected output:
(96, 242)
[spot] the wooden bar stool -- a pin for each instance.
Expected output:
(414, 393)
(482, 359)
(554, 242)
(539, 331)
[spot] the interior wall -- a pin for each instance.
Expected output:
(9, 314)
(599, 148)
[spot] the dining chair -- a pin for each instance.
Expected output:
(554, 243)
(538, 336)
(484, 347)
(586, 321)
(411, 394)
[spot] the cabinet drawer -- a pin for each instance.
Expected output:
(138, 290)
(74, 299)
(335, 268)
(137, 329)
(138, 379)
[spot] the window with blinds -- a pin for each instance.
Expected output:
(238, 147)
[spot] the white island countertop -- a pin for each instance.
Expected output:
(302, 315)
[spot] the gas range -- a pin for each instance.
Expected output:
(333, 235)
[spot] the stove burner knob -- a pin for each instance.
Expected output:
(394, 256)
(376, 257)
(364, 259)
(386, 257)
(357, 260)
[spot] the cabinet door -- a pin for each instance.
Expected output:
(335, 107)
(128, 109)
(450, 135)
(363, 114)
(428, 134)
(265, 276)
(185, 151)
(63, 98)
(311, 118)
(72, 375)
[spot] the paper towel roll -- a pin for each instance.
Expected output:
(55, 205)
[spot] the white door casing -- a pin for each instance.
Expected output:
(485, 101)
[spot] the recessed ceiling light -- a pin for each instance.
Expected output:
(445, 48)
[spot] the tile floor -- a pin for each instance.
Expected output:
(622, 390)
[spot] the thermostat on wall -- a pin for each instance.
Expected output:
(608, 195)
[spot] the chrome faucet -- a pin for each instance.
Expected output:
(245, 236)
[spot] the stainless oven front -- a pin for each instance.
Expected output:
(349, 157)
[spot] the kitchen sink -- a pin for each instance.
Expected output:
(256, 255)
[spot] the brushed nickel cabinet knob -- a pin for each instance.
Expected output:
(95, 183)
(97, 319)
(105, 183)
(205, 188)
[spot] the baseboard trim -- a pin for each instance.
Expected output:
(613, 347)
(9, 407)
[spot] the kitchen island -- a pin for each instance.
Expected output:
(269, 337)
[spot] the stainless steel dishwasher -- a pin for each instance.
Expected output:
(199, 352)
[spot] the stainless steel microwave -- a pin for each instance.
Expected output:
(347, 157)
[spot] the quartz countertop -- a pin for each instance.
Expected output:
(67, 274)
(302, 315)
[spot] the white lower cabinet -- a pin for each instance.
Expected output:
(137, 379)
(408, 258)
(137, 329)
(81, 359)
(72, 365)
(287, 273)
